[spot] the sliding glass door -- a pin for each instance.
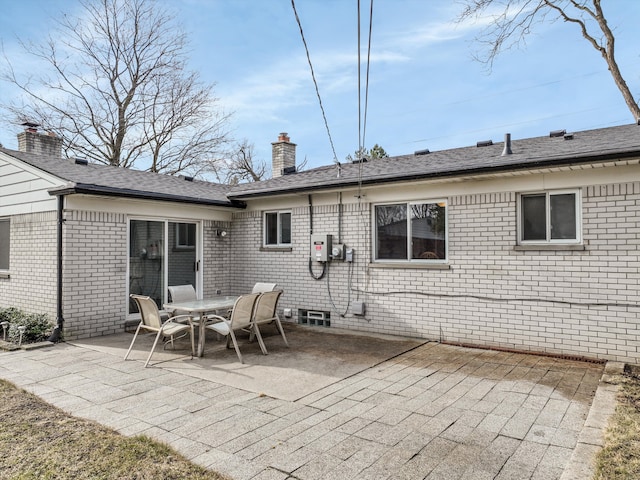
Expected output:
(181, 257)
(161, 253)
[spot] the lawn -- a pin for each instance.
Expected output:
(39, 441)
(620, 457)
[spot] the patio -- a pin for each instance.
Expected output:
(334, 405)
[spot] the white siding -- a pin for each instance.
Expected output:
(23, 189)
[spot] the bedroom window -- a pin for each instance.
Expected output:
(550, 217)
(277, 229)
(415, 231)
(5, 230)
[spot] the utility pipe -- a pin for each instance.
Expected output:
(56, 335)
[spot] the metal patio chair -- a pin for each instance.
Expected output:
(266, 311)
(150, 320)
(240, 319)
(183, 293)
(262, 287)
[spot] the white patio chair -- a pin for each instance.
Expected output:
(266, 311)
(261, 287)
(183, 293)
(240, 319)
(150, 321)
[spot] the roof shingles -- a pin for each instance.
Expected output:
(106, 180)
(592, 145)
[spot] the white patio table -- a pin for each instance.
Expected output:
(201, 308)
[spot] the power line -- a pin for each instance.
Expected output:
(315, 83)
(366, 95)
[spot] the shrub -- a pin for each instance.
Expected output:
(38, 325)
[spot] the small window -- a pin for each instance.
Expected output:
(411, 231)
(550, 217)
(277, 229)
(185, 235)
(5, 225)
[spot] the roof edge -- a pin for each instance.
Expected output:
(91, 189)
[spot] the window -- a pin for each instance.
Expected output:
(550, 217)
(277, 229)
(185, 235)
(5, 225)
(411, 231)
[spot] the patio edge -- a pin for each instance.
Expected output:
(591, 439)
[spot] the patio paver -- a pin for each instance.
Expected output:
(434, 412)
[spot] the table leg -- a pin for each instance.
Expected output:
(201, 335)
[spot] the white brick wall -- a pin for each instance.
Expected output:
(571, 302)
(95, 269)
(33, 264)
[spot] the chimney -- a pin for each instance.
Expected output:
(31, 141)
(283, 156)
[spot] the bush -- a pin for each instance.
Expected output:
(38, 325)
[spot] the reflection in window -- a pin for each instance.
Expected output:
(411, 231)
(185, 235)
(277, 228)
(5, 230)
(549, 217)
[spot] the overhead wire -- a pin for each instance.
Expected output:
(315, 83)
(362, 124)
(362, 118)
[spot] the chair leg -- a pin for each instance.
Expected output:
(132, 342)
(153, 348)
(254, 328)
(193, 343)
(279, 325)
(235, 344)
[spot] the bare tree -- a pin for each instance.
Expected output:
(515, 19)
(115, 87)
(241, 166)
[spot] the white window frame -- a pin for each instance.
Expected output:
(279, 242)
(7, 245)
(408, 204)
(548, 240)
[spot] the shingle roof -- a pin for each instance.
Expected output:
(113, 181)
(583, 147)
(587, 146)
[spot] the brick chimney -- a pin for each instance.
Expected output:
(32, 141)
(283, 156)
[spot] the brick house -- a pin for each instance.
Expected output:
(532, 245)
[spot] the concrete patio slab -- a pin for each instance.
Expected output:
(317, 359)
(401, 411)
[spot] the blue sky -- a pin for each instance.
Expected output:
(425, 91)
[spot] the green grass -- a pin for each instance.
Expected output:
(620, 457)
(39, 441)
